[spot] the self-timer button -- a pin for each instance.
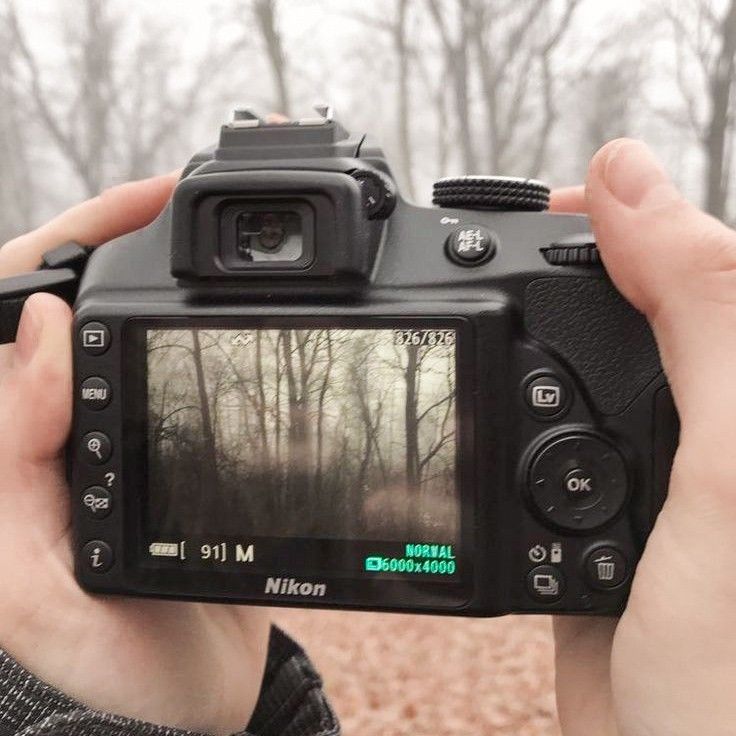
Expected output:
(471, 245)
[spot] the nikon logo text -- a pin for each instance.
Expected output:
(291, 586)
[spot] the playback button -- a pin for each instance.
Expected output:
(94, 338)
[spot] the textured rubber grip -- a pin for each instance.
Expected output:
(606, 342)
(9, 317)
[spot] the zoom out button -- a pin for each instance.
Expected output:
(97, 502)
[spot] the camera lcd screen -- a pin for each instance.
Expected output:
(331, 450)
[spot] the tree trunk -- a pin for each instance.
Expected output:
(265, 12)
(411, 421)
(716, 135)
(296, 474)
(209, 459)
(456, 58)
(403, 94)
(318, 471)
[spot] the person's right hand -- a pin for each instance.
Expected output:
(190, 665)
(668, 666)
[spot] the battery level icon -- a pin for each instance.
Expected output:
(555, 552)
(373, 564)
(166, 549)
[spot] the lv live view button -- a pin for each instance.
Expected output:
(546, 396)
(95, 393)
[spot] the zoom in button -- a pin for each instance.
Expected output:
(96, 448)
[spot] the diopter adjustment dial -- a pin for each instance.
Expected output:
(500, 193)
(378, 193)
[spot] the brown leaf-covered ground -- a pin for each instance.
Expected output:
(396, 675)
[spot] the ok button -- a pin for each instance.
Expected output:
(579, 484)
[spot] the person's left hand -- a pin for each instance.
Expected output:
(188, 665)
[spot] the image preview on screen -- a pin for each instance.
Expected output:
(311, 433)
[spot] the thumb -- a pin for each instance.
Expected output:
(35, 392)
(677, 265)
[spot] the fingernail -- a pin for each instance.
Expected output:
(29, 334)
(632, 174)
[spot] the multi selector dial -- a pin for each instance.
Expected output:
(577, 481)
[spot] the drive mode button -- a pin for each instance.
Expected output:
(545, 584)
(95, 393)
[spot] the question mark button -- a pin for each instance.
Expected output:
(97, 502)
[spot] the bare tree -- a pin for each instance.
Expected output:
(515, 47)
(80, 130)
(403, 93)
(17, 197)
(706, 36)
(118, 117)
(456, 51)
(398, 28)
(209, 459)
(265, 13)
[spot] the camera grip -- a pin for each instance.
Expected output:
(607, 343)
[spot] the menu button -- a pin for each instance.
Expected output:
(95, 393)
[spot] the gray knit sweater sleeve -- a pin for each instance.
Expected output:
(291, 703)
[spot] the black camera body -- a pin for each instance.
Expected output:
(295, 388)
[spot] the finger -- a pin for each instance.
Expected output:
(35, 392)
(276, 118)
(118, 210)
(678, 266)
(582, 670)
(568, 199)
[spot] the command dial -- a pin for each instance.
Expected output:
(504, 193)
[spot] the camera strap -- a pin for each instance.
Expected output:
(59, 273)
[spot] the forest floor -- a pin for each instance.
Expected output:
(399, 675)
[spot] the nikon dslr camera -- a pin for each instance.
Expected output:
(295, 388)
